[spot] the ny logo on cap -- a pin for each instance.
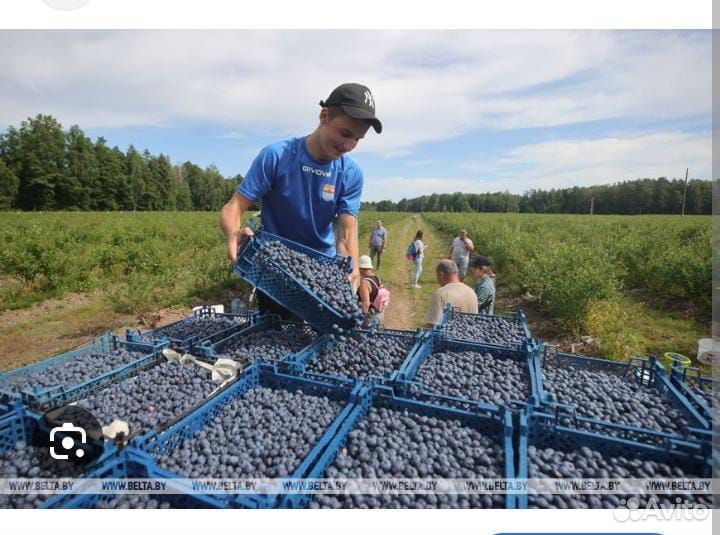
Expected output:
(369, 99)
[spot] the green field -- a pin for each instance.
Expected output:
(636, 284)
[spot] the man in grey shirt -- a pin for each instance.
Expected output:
(460, 251)
(378, 241)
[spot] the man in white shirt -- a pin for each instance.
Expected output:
(460, 251)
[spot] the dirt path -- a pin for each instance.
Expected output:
(408, 306)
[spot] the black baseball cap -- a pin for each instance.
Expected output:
(357, 101)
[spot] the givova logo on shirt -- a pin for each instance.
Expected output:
(328, 192)
(318, 172)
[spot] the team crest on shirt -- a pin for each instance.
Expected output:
(328, 192)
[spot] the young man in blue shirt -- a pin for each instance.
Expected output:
(305, 183)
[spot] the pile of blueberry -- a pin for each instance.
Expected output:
(197, 327)
(266, 433)
(606, 396)
(361, 354)
(485, 329)
(590, 463)
(269, 344)
(328, 281)
(152, 397)
(400, 444)
(476, 376)
(74, 371)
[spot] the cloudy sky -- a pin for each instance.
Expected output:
(468, 111)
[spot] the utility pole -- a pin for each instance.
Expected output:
(592, 205)
(687, 169)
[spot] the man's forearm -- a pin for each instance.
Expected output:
(347, 241)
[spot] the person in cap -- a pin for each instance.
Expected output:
(304, 183)
(452, 291)
(484, 284)
(367, 293)
(378, 241)
(460, 251)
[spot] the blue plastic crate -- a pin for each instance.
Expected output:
(543, 430)
(212, 348)
(134, 464)
(327, 342)
(486, 418)
(188, 343)
(257, 375)
(41, 399)
(21, 424)
(450, 313)
(646, 372)
(275, 281)
(438, 341)
(699, 390)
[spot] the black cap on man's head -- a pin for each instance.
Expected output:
(357, 101)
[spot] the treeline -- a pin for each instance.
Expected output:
(644, 196)
(43, 167)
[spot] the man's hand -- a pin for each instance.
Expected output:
(235, 240)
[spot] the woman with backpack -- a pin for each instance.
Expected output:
(417, 248)
(373, 296)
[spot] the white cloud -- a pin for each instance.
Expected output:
(561, 164)
(429, 85)
(567, 163)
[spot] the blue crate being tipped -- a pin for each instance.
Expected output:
(327, 343)
(216, 346)
(132, 463)
(20, 425)
(257, 375)
(520, 336)
(258, 269)
(227, 324)
(700, 391)
(489, 420)
(43, 398)
(646, 373)
(438, 341)
(543, 431)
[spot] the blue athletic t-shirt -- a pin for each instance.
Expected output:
(300, 196)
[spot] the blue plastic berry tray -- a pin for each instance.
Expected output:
(439, 341)
(489, 419)
(188, 343)
(21, 424)
(545, 431)
(328, 341)
(450, 314)
(41, 399)
(646, 372)
(257, 375)
(258, 269)
(212, 348)
(691, 384)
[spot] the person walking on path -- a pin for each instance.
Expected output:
(378, 241)
(484, 285)
(305, 183)
(452, 291)
(368, 292)
(460, 251)
(418, 260)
